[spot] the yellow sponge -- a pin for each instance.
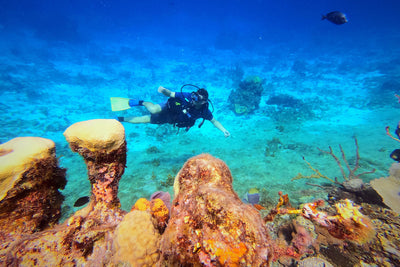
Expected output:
(95, 135)
(136, 240)
(18, 155)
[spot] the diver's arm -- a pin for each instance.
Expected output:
(219, 126)
(166, 92)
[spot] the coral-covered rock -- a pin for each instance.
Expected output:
(158, 210)
(350, 223)
(136, 240)
(209, 224)
(80, 241)
(30, 180)
(160, 213)
(247, 97)
(102, 145)
(141, 204)
(314, 261)
(164, 196)
(86, 238)
(389, 188)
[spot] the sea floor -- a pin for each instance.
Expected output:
(47, 87)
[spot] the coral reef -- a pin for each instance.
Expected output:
(247, 97)
(348, 223)
(209, 223)
(342, 235)
(86, 237)
(30, 180)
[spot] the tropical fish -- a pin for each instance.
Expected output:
(395, 155)
(253, 196)
(81, 201)
(335, 17)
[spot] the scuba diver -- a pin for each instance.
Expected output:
(182, 109)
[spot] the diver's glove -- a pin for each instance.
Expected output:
(134, 102)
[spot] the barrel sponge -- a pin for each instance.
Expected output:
(19, 155)
(96, 135)
(136, 240)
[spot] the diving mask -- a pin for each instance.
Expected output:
(197, 98)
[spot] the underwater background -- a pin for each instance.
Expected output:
(322, 85)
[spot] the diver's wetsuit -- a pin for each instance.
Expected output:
(176, 116)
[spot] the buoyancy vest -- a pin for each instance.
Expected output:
(180, 112)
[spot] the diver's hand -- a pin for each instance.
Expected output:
(161, 89)
(226, 133)
(166, 92)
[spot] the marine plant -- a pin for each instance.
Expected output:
(152, 150)
(272, 147)
(347, 178)
(169, 181)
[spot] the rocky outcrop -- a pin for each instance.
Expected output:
(206, 225)
(30, 180)
(389, 188)
(209, 224)
(102, 144)
(87, 237)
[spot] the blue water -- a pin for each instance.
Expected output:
(62, 60)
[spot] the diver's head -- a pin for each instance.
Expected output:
(200, 97)
(203, 92)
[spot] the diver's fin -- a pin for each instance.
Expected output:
(119, 103)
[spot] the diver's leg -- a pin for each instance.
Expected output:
(142, 119)
(153, 108)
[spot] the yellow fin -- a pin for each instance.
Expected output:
(119, 103)
(253, 191)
